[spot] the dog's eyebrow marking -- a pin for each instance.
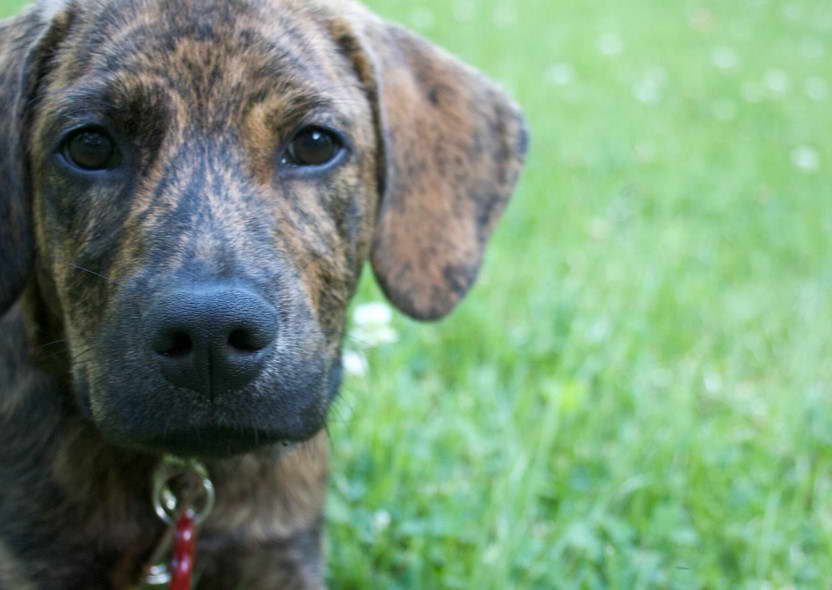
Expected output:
(149, 101)
(299, 106)
(138, 108)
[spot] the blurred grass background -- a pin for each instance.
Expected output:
(638, 394)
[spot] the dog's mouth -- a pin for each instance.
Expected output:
(214, 442)
(163, 419)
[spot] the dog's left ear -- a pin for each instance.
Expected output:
(25, 47)
(452, 145)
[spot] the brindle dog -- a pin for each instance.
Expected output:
(188, 192)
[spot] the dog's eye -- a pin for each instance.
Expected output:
(91, 149)
(313, 146)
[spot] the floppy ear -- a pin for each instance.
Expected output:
(452, 146)
(24, 47)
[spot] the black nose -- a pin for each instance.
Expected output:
(212, 339)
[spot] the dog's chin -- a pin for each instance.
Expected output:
(208, 432)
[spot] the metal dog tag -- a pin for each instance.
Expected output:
(166, 503)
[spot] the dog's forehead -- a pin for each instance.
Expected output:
(211, 53)
(49, 9)
(116, 34)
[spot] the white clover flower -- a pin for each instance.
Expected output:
(777, 81)
(464, 10)
(374, 313)
(701, 20)
(355, 363)
(504, 15)
(422, 18)
(560, 74)
(806, 158)
(381, 520)
(816, 88)
(725, 58)
(712, 381)
(372, 325)
(599, 330)
(610, 44)
(649, 89)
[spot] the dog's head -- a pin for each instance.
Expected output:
(190, 188)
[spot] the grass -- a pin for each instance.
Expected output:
(638, 394)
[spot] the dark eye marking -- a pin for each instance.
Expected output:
(313, 147)
(91, 149)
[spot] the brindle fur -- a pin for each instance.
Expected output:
(204, 93)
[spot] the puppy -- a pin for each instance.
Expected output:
(189, 190)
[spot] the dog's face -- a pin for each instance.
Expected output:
(194, 187)
(215, 168)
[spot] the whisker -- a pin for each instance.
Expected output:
(53, 343)
(81, 353)
(92, 272)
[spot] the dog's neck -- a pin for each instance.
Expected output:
(69, 493)
(65, 490)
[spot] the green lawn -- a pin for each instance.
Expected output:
(638, 394)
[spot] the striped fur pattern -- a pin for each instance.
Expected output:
(201, 96)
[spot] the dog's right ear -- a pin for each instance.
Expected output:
(26, 44)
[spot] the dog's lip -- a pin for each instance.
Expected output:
(214, 442)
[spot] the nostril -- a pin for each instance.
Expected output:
(245, 341)
(175, 344)
(210, 338)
